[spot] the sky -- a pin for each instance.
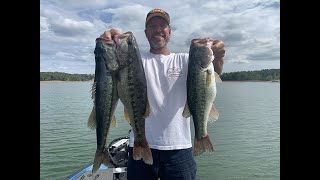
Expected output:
(250, 30)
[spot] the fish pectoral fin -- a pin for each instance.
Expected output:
(217, 77)
(209, 78)
(125, 114)
(92, 119)
(147, 113)
(186, 112)
(214, 114)
(114, 121)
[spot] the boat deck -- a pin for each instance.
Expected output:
(103, 173)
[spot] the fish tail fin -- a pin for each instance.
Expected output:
(142, 150)
(100, 158)
(202, 145)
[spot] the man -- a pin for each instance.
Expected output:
(168, 132)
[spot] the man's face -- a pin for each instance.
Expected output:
(158, 32)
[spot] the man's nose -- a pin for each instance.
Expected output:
(157, 29)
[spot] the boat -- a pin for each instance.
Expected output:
(118, 150)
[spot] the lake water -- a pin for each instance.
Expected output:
(246, 136)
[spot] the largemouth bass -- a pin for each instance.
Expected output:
(201, 93)
(132, 91)
(105, 53)
(105, 98)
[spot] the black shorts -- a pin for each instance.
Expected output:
(167, 165)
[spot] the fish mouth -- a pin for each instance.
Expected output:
(203, 48)
(125, 45)
(107, 41)
(116, 41)
(203, 67)
(112, 68)
(205, 62)
(117, 38)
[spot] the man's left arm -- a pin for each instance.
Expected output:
(218, 52)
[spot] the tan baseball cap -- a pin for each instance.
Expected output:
(157, 12)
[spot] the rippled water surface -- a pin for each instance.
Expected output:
(246, 136)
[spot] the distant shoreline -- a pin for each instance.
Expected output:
(265, 75)
(65, 81)
(278, 81)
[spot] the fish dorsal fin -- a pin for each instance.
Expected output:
(214, 114)
(125, 114)
(147, 113)
(93, 91)
(114, 121)
(217, 77)
(186, 112)
(92, 119)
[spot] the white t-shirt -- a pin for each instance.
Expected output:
(166, 75)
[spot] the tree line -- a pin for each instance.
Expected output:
(258, 75)
(61, 76)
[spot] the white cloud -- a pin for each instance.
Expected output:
(250, 29)
(44, 25)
